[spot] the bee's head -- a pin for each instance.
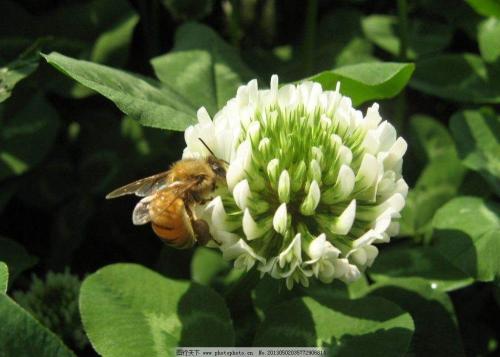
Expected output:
(218, 166)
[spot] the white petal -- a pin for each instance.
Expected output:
(264, 145)
(241, 194)
(235, 173)
(254, 132)
(351, 274)
(387, 135)
(273, 170)
(308, 207)
(317, 247)
(345, 155)
(372, 118)
(367, 173)
(203, 116)
(315, 170)
(371, 253)
(395, 154)
(359, 257)
(252, 229)
(284, 187)
(240, 247)
(280, 219)
(345, 182)
(343, 223)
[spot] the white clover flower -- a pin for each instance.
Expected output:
(312, 184)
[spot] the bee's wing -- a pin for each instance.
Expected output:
(141, 211)
(143, 187)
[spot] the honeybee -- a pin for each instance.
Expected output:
(169, 199)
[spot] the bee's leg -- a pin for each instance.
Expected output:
(202, 232)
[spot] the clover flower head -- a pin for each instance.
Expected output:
(312, 184)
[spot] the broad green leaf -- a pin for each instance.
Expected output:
(110, 48)
(362, 327)
(432, 311)
(206, 265)
(22, 335)
(35, 123)
(429, 139)
(147, 101)
(4, 277)
(459, 77)
(477, 134)
(438, 182)
(423, 37)
(202, 67)
(367, 81)
(400, 263)
(189, 9)
(486, 7)
(17, 70)
(270, 292)
(467, 234)
(130, 310)
(16, 257)
(489, 39)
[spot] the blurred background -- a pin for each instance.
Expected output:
(62, 148)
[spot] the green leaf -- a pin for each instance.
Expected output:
(362, 327)
(22, 335)
(36, 123)
(423, 37)
(17, 70)
(206, 265)
(489, 39)
(429, 139)
(405, 262)
(130, 310)
(477, 134)
(189, 9)
(436, 332)
(147, 101)
(440, 179)
(486, 7)
(110, 48)
(4, 277)
(367, 81)
(202, 68)
(459, 77)
(16, 257)
(438, 183)
(467, 233)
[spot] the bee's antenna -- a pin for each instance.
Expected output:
(210, 151)
(205, 144)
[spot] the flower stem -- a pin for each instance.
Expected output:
(403, 57)
(310, 35)
(150, 24)
(403, 29)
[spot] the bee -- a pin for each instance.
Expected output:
(169, 199)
